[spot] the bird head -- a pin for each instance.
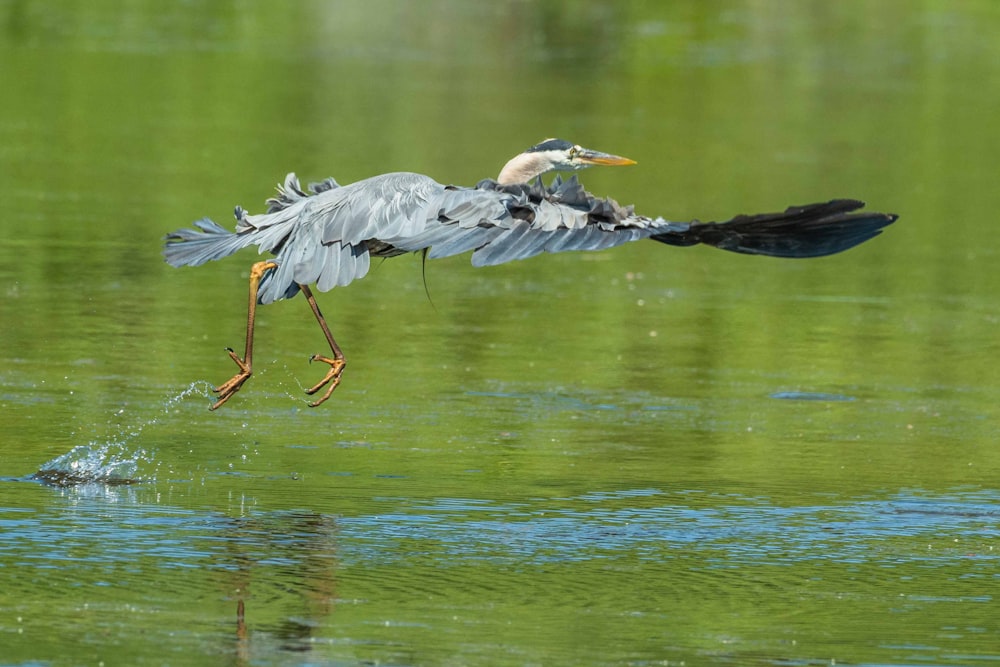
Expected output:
(565, 156)
(555, 155)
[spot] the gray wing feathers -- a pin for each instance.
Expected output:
(379, 208)
(328, 266)
(505, 223)
(551, 217)
(190, 247)
(561, 217)
(518, 241)
(524, 241)
(455, 221)
(447, 239)
(318, 238)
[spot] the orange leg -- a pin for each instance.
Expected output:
(337, 362)
(231, 386)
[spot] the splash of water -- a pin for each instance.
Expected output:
(115, 462)
(109, 463)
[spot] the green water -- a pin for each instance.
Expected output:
(645, 456)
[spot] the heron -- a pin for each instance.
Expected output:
(326, 235)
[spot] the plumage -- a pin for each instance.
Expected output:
(326, 234)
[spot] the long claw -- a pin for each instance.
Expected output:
(332, 378)
(233, 384)
(336, 362)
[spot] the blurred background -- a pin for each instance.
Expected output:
(649, 455)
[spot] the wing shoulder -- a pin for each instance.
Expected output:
(558, 218)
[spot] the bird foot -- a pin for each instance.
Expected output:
(332, 378)
(233, 384)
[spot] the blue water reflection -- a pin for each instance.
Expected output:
(101, 523)
(455, 552)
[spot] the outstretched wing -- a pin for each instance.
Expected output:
(327, 237)
(323, 238)
(502, 223)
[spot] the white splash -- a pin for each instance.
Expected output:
(115, 462)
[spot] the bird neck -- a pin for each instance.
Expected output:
(523, 168)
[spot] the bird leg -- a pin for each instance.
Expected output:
(231, 386)
(337, 362)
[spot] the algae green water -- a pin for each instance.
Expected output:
(648, 456)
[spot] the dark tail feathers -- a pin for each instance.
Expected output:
(813, 230)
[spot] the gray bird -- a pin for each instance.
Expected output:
(327, 236)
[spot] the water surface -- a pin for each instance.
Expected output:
(650, 455)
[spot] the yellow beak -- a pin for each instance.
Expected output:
(588, 156)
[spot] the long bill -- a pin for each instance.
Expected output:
(596, 157)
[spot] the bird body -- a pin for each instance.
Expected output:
(327, 235)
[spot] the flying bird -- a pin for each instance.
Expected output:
(326, 235)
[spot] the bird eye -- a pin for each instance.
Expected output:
(573, 152)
